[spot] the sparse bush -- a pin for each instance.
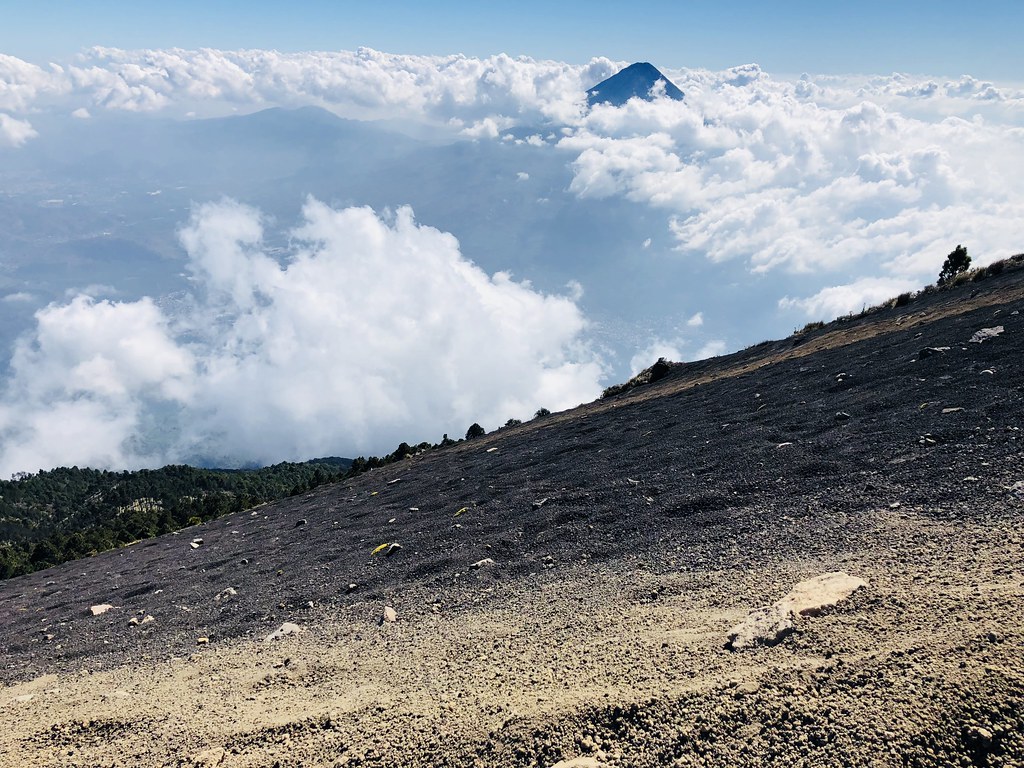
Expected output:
(903, 299)
(956, 263)
(812, 326)
(474, 431)
(541, 413)
(513, 423)
(996, 268)
(660, 369)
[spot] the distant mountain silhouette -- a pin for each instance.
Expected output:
(635, 80)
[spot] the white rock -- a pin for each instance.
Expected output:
(390, 614)
(579, 762)
(283, 631)
(986, 333)
(99, 610)
(225, 594)
(768, 626)
(482, 563)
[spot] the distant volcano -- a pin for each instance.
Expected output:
(635, 80)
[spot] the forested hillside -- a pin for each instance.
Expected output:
(66, 513)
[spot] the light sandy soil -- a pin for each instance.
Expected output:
(626, 666)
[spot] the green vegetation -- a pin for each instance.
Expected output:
(67, 513)
(474, 431)
(956, 263)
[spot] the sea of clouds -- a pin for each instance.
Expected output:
(375, 328)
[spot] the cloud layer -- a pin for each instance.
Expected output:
(844, 177)
(375, 331)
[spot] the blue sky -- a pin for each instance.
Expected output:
(938, 37)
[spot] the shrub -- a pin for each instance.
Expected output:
(903, 299)
(955, 264)
(541, 412)
(813, 326)
(513, 423)
(475, 430)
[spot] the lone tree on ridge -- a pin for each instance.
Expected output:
(958, 261)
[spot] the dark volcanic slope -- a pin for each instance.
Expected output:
(626, 536)
(723, 464)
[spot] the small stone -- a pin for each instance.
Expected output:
(99, 610)
(147, 619)
(202, 640)
(196, 543)
(481, 563)
(209, 758)
(225, 594)
(300, 523)
(283, 631)
(931, 351)
(843, 416)
(989, 372)
(540, 503)
(783, 445)
(579, 762)
(952, 410)
(390, 615)
(134, 621)
(351, 588)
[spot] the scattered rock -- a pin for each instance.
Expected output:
(225, 594)
(196, 543)
(351, 588)
(99, 610)
(989, 372)
(769, 626)
(390, 615)
(481, 563)
(209, 758)
(301, 522)
(783, 445)
(202, 640)
(843, 416)
(952, 410)
(283, 631)
(134, 621)
(986, 333)
(931, 351)
(579, 762)
(387, 549)
(147, 619)
(540, 503)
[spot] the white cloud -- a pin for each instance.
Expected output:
(375, 331)
(834, 301)
(523, 176)
(81, 113)
(712, 348)
(696, 321)
(20, 297)
(15, 132)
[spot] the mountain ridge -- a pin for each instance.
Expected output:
(562, 590)
(640, 80)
